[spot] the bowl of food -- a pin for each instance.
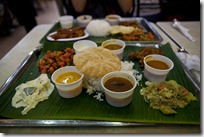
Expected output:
(118, 87)
(83, 44)
(116, 46)
(113, 19)
(68, 81)
(83, 20)
(157, 67)
(66, 21)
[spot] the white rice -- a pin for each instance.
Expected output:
(93, 84)
(98, 28)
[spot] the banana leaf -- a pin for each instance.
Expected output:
(85, 107)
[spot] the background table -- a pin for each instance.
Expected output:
(194, 29)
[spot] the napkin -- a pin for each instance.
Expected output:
(185, 31)
(192, 62)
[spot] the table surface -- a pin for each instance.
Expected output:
(16, 55)
(194, 29)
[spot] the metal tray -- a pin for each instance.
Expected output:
(141, 21)
(30, 59)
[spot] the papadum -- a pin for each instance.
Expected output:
(96, 61)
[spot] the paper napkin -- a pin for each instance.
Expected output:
(192, 62)
(185, 31)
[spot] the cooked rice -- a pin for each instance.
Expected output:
(94, 30)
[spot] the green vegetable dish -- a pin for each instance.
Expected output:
(166, 96)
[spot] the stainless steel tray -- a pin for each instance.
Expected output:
(141, 21)
(31, 58)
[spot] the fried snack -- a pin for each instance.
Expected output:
(139, 55)
(96, 61)
(119, 29)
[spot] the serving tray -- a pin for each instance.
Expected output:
(85, 110)
(141, 21)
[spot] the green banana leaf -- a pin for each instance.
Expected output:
(85, 107)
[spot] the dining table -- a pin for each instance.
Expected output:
(11, 61)
(193, 47)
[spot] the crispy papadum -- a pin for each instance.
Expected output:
(121, 29)
(96, 61)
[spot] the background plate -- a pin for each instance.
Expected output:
(68, 39)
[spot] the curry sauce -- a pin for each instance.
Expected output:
(113, 46)
(68, 77)
(157, 64)
(118, 84)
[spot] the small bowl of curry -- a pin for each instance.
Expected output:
(117, 46)
(157, 67)
(118, 87)
(113, 19)
(68, 81)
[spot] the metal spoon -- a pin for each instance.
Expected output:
(182, 49)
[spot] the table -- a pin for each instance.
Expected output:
(16, 55)
(194, 29)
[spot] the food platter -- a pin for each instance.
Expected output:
(145, 25)
(67, 39)
(86, 110)
(138, 112)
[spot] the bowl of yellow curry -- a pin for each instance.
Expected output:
(68, 81)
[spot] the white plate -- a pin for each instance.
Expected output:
(66, 39)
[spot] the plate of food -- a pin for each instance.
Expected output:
(72, 34)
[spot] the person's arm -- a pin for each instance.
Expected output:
(79, 5)
(126, 5)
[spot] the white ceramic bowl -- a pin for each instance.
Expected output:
(118, 52)
(66, 21)
(83, 44)
(154, 74)
(113, 19)
(118, 99)
(83, 20)
(70, 90)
